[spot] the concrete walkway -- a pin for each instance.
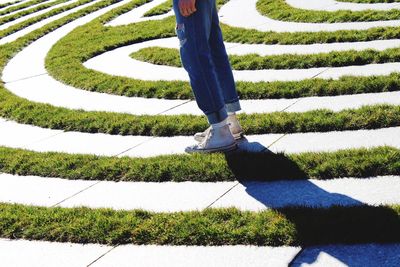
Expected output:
(39, 253)
(38, 139)
(250, 18)
(187, 196)
(25, 75)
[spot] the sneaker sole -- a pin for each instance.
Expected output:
(238, 136)
(232, 147)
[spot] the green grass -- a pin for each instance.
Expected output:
(290, 226)
(2, 5)
(359, 163)
(20, 14)
(161, 9)
(24, 24)
(299, 14)
(47, 116)
(18, 7)
(170, 57)
(65, 62)
(213, 227)
(251, 36)
(280, 10)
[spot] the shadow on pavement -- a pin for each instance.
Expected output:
(365, 255)
(253, 161)
(279, 184)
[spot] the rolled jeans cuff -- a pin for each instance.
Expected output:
(216, 117)
(233, 107)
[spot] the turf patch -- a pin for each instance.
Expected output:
(19, 6)
(65, 63)
(288, 226)
(161, 9)
(24, 24)
(47, 116)
(280, 10)
(18, 15)
(265, 166)
(170, 57)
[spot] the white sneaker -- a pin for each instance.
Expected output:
(234, 126)
(216, 140)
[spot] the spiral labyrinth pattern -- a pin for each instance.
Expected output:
(96, 111)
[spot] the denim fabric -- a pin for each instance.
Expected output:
(204, 57)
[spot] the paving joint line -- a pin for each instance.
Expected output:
(102, 255)
(230, 189)
(291, 105)
(77, 193)
(42, 140)
(175, 107)
(277, 140)
(135, 146)
(316, 75)
(27, 78)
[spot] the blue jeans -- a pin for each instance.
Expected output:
(204, 57)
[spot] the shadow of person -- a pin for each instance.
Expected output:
(362, 255)
(253, 161)
(278, 183)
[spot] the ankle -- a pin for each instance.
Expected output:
(219, 124)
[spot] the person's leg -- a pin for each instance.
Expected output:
(222, 65)
(225, 78)
(194, 34)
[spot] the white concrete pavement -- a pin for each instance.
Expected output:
(333, 5)
(14, 36)
(250, 18)
(21, 9)
(13, 3)
(38, 13)
(189, 196)
(32, 82)
(21, 77)
(41, 253)
(38, 139)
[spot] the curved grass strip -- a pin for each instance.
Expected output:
(24, 24)
(159, 10)
(18, 7)
(65, 63)
(2, 5)
(18, 15)
(286, 226)
(250, 36)
(170, 57)
(280, 10)
(8, 50)
(359, 163)
(47, 116)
